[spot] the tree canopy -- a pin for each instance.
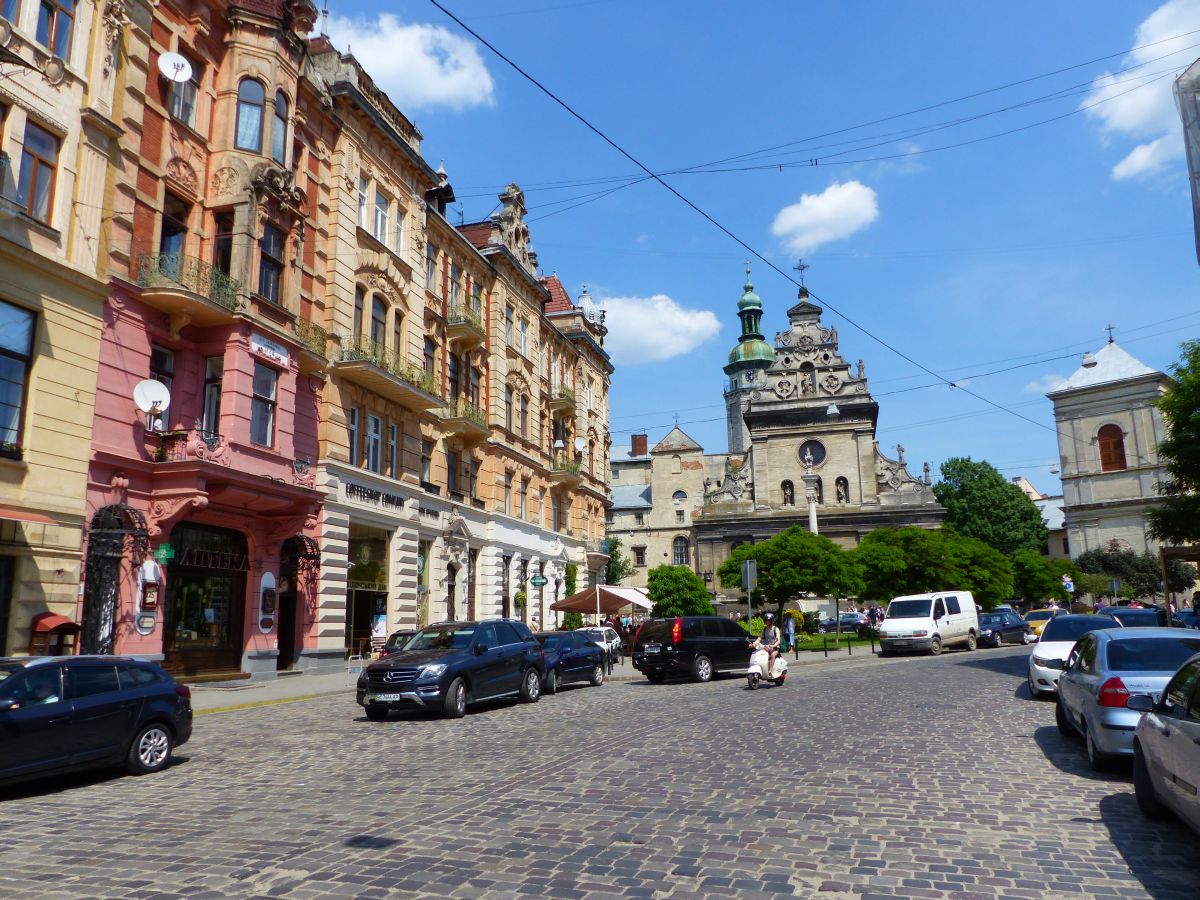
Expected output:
(980, 503)
(898, 561)
(1140, 573)
(1036, 578)
(677, 591)
(1177, 520)
(792, 563)
(619, 567)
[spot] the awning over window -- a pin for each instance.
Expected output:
(48, 621)
(24, 515)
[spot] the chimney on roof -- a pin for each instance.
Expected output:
(639, 444)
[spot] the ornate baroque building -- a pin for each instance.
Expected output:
(794, 408)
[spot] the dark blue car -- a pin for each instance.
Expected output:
(1003, 626)
(571, 656)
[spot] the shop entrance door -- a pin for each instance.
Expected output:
(451, 591)
(204, 624)
(366, 620)
(288, 598)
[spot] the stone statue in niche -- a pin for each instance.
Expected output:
(789, 494)
(833, 335)
(862, 369)
(807, 459)
(806, 383)
(843, 490)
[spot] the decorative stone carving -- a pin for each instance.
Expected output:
(163, 511)
(279, 184)
(183, 174)
(831, 383)
(862, 369)
(115, 19)
(738, 483)
(224, 182)
(806, 344)
(784, 388)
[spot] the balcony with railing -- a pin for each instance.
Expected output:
(193, 444)
(597, 552)
(464, 419)
(465, 326)
(189, 290)
(371, 365)
(566, 472)
(562, 399)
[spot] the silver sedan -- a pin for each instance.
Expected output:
(1102, 671)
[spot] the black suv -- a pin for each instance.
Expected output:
(71, 712)
(449, 665)
(694, 645)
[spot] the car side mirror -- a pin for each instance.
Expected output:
(481, 649)
(9, 703)
(1140, 703)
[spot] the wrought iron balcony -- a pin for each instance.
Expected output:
(312, 336)
(176, 270)
(193, 444)
(562, 399)
(465, 419)
(373, 366)
(465, 324)
(566, 472)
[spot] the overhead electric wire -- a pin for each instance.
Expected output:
(725, 230)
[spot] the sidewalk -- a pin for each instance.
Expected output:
(220, 697)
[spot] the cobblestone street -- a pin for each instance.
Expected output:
(907, 777)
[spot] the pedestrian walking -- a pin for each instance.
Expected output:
(789, 632)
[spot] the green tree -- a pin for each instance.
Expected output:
(677, 591)
(1036, 578)
(980, 503)
(572, 572)
(1177, 520)
(898, 561)
(572, 620)
(792, 563)
(1139, 573)
(619, 566)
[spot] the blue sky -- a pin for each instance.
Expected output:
(1005, 251)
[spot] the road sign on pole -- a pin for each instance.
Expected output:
(749, 582)
(1068, 584)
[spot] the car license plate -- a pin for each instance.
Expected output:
(900, 643)
(652, 648)
(384, 698)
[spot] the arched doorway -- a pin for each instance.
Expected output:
(451, 591)
(204, 620)
(299, 557)
(113, 529)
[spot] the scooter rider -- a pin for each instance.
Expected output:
(769, 639)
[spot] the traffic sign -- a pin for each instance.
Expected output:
(538, 581)
(1068, 584)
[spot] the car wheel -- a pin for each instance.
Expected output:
(972, 642)
(702, 669)
(150, 750)
(781, 679)
(935, 646)
(1065, 728)
(376, 713)
(552, 682)
(656, 677)
(455, 704)
(1097, 760)
(883, 651)
(1143, 787)
(597, 678)
(531, 686)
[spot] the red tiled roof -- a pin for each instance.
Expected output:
(320, 44)
(560, 300)
(477, 233)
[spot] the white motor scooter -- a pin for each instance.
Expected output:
(758, 667)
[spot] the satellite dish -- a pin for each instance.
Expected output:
(175, 67)
(151, 396)
(580, 443)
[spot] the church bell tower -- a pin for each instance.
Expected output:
(748, 361)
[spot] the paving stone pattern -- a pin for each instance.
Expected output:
(900, 778)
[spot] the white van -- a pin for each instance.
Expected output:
(930, 622)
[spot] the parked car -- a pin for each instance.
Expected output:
(74, 712)
(846, 623)
(570, 656)
(396, 640)
(1166, 747)
(1039, 618)
(450, 665)
(1103, 670)
(1003, 627)
(1186, 618)
(930, 622)
(699, 646)
(605, 638)
(1054, 646)
(1138, 617)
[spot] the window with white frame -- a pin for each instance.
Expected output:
(374, 443)
(364, 190)
(383, 215)
(162, 370)
(262, 408)
(456, 275)
(401, 224)
(182, 102)
(524, 337)
(352, 434)
(430, 267)
(393, 451)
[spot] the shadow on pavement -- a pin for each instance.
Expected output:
(1068, 755)
(1159, 855)
(60, 782)
(1004, 662)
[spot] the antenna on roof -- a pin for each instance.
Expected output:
(460, 214)
(325, 19)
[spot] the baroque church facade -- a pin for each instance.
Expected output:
(799, 417)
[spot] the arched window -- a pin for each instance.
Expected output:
(676, 464)
(508, 408)
(789, 493)
(251, 101)
(843, 490)
(682, 554)
(524, 416)
(397, 332)
(378, 322)
(1112, 448)
(679, 496)
(279, 129)
(820, 488)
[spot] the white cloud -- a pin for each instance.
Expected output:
(651, 329)
(1044, 384)
(1147, 112)
(835, 213)
(418, 66)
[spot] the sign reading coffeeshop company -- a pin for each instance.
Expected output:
(372, 497)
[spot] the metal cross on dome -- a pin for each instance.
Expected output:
(801, 267)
